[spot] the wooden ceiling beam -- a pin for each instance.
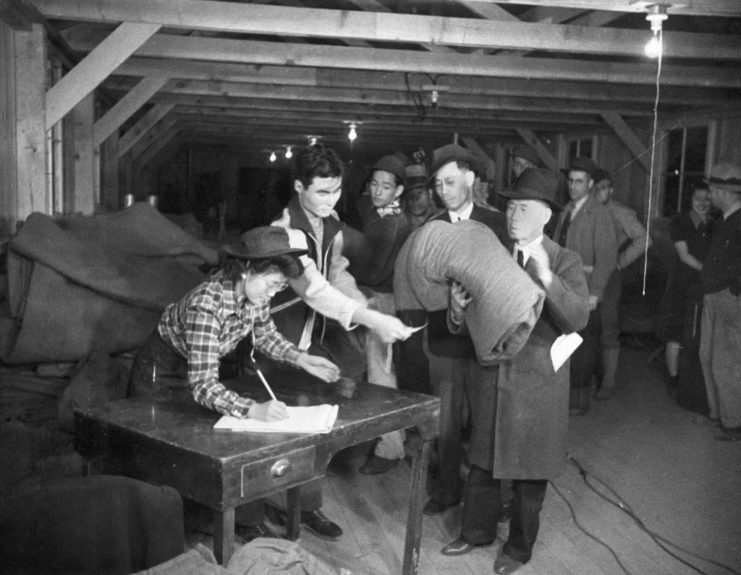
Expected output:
(723, 8)
(257, 52)
(263, 19)
(272, 109)
(293, 76)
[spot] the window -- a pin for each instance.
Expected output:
(686, 158)
(583, 147)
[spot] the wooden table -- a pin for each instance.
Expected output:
(170, 441)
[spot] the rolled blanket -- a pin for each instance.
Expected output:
(505, 301)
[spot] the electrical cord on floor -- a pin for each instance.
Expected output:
(587, 533)
(661, 541)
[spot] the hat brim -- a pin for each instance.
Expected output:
(515, 195)
(736, 188)
(241, 252)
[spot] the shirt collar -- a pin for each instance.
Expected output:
(526, 248)
(578, 205)
(464, 214)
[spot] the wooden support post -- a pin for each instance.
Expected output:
(96, 67)
(109, 189)
(628, 137)
(534, 142)
(23, 145)
(83, 194)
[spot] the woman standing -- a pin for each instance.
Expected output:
(691, 233)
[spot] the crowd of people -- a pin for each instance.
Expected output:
(316, 295)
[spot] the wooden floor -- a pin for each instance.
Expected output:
(679, 482)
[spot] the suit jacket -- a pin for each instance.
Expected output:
(591, 234)
(521, 417)
(440, 341)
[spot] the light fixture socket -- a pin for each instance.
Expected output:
(656, 16)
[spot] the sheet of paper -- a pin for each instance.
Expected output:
(309, 419)
(563, 347)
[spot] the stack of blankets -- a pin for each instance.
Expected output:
(83, 283)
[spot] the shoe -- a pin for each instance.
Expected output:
(377, 465)
(733, 434)
(432, 507)
(703, 421)
(320, 525)
(505, 565)
(577, 411)
(603, 394)
(460, 547)
(250, 532)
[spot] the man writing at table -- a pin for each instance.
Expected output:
(208, 323)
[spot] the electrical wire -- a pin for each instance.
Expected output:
(587, 533)
(660, 540)
(416, 99)
(653, 156)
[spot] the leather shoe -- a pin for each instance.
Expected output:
(250, 532)
(432, 507)
(460, 547)
(376, 465)
(320, 525)
(504, 565)
(603, 394)
(732, 434)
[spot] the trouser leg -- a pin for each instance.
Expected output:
(447, 378)
(583, 364)
(525, 521)
(707, 344)
(482, 507)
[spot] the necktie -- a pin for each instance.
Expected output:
(521, 259)
(565, 228)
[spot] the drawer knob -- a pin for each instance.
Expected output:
(280, 468)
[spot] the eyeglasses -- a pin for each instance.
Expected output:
(275, 287)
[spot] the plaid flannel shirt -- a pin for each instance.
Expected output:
(207, 324)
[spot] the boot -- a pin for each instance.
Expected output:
(610, 356)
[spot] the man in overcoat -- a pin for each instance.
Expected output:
(521, 415)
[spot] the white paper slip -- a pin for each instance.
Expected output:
(309, 419)
(563, 347)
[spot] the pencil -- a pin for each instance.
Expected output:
(266, 384)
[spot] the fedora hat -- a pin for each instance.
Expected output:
(415, 176)
(583, 164)
(526, 153)
(535, 184)
(726, 177)
(455, 153)
(266, 242)
(392, 163)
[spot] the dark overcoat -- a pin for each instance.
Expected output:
(521, 419)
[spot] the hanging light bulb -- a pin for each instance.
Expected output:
(352, 134)
(656, 16)
(289, 153)
(312, 140)
(273, 157)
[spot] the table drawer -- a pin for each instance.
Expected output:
(275, 472)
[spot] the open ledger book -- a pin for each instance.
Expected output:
(309, 419)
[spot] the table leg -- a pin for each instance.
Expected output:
(223, 535)
(416, 504)
(293, 513)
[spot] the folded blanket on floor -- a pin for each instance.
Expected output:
(505, 303)
(84, 282)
